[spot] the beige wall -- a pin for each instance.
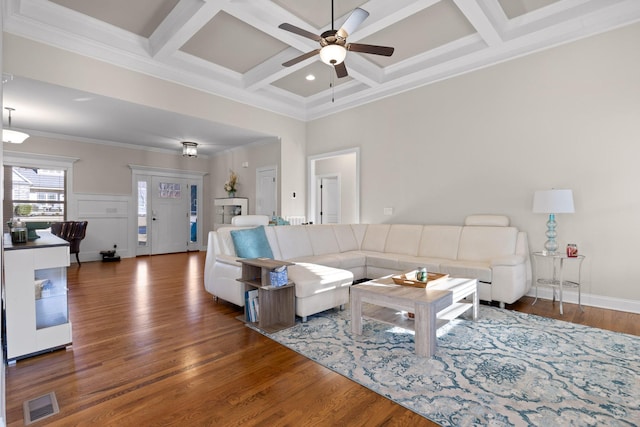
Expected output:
(484, 142)
(104, 169)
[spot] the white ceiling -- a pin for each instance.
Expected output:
(234, 48)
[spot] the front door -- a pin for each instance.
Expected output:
(170, 217)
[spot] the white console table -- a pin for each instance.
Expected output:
(550, 270)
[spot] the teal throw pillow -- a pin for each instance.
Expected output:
(251, 243)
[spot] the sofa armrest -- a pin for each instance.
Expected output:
(509, 260)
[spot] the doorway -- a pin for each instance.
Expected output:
(344, 164)
(168, 212)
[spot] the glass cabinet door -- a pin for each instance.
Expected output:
(51, 297)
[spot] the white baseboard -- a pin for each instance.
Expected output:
(571, 296)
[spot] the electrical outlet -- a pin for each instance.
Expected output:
(388, 211)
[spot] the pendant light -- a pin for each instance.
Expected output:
(10, 135)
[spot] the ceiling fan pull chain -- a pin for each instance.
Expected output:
(332, 86)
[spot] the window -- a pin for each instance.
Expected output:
(142, 213)
(34, 194)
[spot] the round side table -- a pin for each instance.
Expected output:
(556, 280)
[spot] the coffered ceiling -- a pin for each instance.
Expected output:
(234, 48)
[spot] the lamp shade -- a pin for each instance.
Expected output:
(333, 54)
(553, 201)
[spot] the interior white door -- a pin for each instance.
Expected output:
(266, 191)
(329, 203)
(169, 229)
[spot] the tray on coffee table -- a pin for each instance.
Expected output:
(409, 279)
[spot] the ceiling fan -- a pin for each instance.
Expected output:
(333, 44)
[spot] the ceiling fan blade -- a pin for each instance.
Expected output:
(300, 58)
(341, 70)
(299, 31)
(370, 48)
(353, 21)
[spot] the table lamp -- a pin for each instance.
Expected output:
(552, 202)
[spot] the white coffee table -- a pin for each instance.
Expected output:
(433, 306)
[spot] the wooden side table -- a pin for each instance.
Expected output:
(556, 280)
(277, 304)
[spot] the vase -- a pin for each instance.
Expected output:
(231, 194)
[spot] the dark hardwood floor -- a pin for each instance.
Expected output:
(151, 347)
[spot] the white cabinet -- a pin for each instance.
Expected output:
(36, 306)
(227, 208)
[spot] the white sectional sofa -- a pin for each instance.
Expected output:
(485, 247)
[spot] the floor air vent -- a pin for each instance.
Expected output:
(40, 408)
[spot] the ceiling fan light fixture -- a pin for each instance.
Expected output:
(13, 136)
(333, 54)
(189, 149)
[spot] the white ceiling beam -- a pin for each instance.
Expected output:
(480, 21)
(185, 20)
(363, 70)
(56, 25)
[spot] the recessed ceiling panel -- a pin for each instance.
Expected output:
(514, 9)
(318, 12)
(297, 83)
(142, 17)
(233, 44)
(432, 27)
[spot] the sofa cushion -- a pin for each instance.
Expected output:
(476, 270)
(226, 241)
(352, 259)
(345, 237)
(403, 239)
(330, 260)
(408, 263)
(382, 260)
(273, 241)
(323, 239)
(485, 243)
(375, 237)
(251, 243)
(313, 279)
(439, 241)
(293, 241)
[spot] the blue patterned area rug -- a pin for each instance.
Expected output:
(506, 369)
